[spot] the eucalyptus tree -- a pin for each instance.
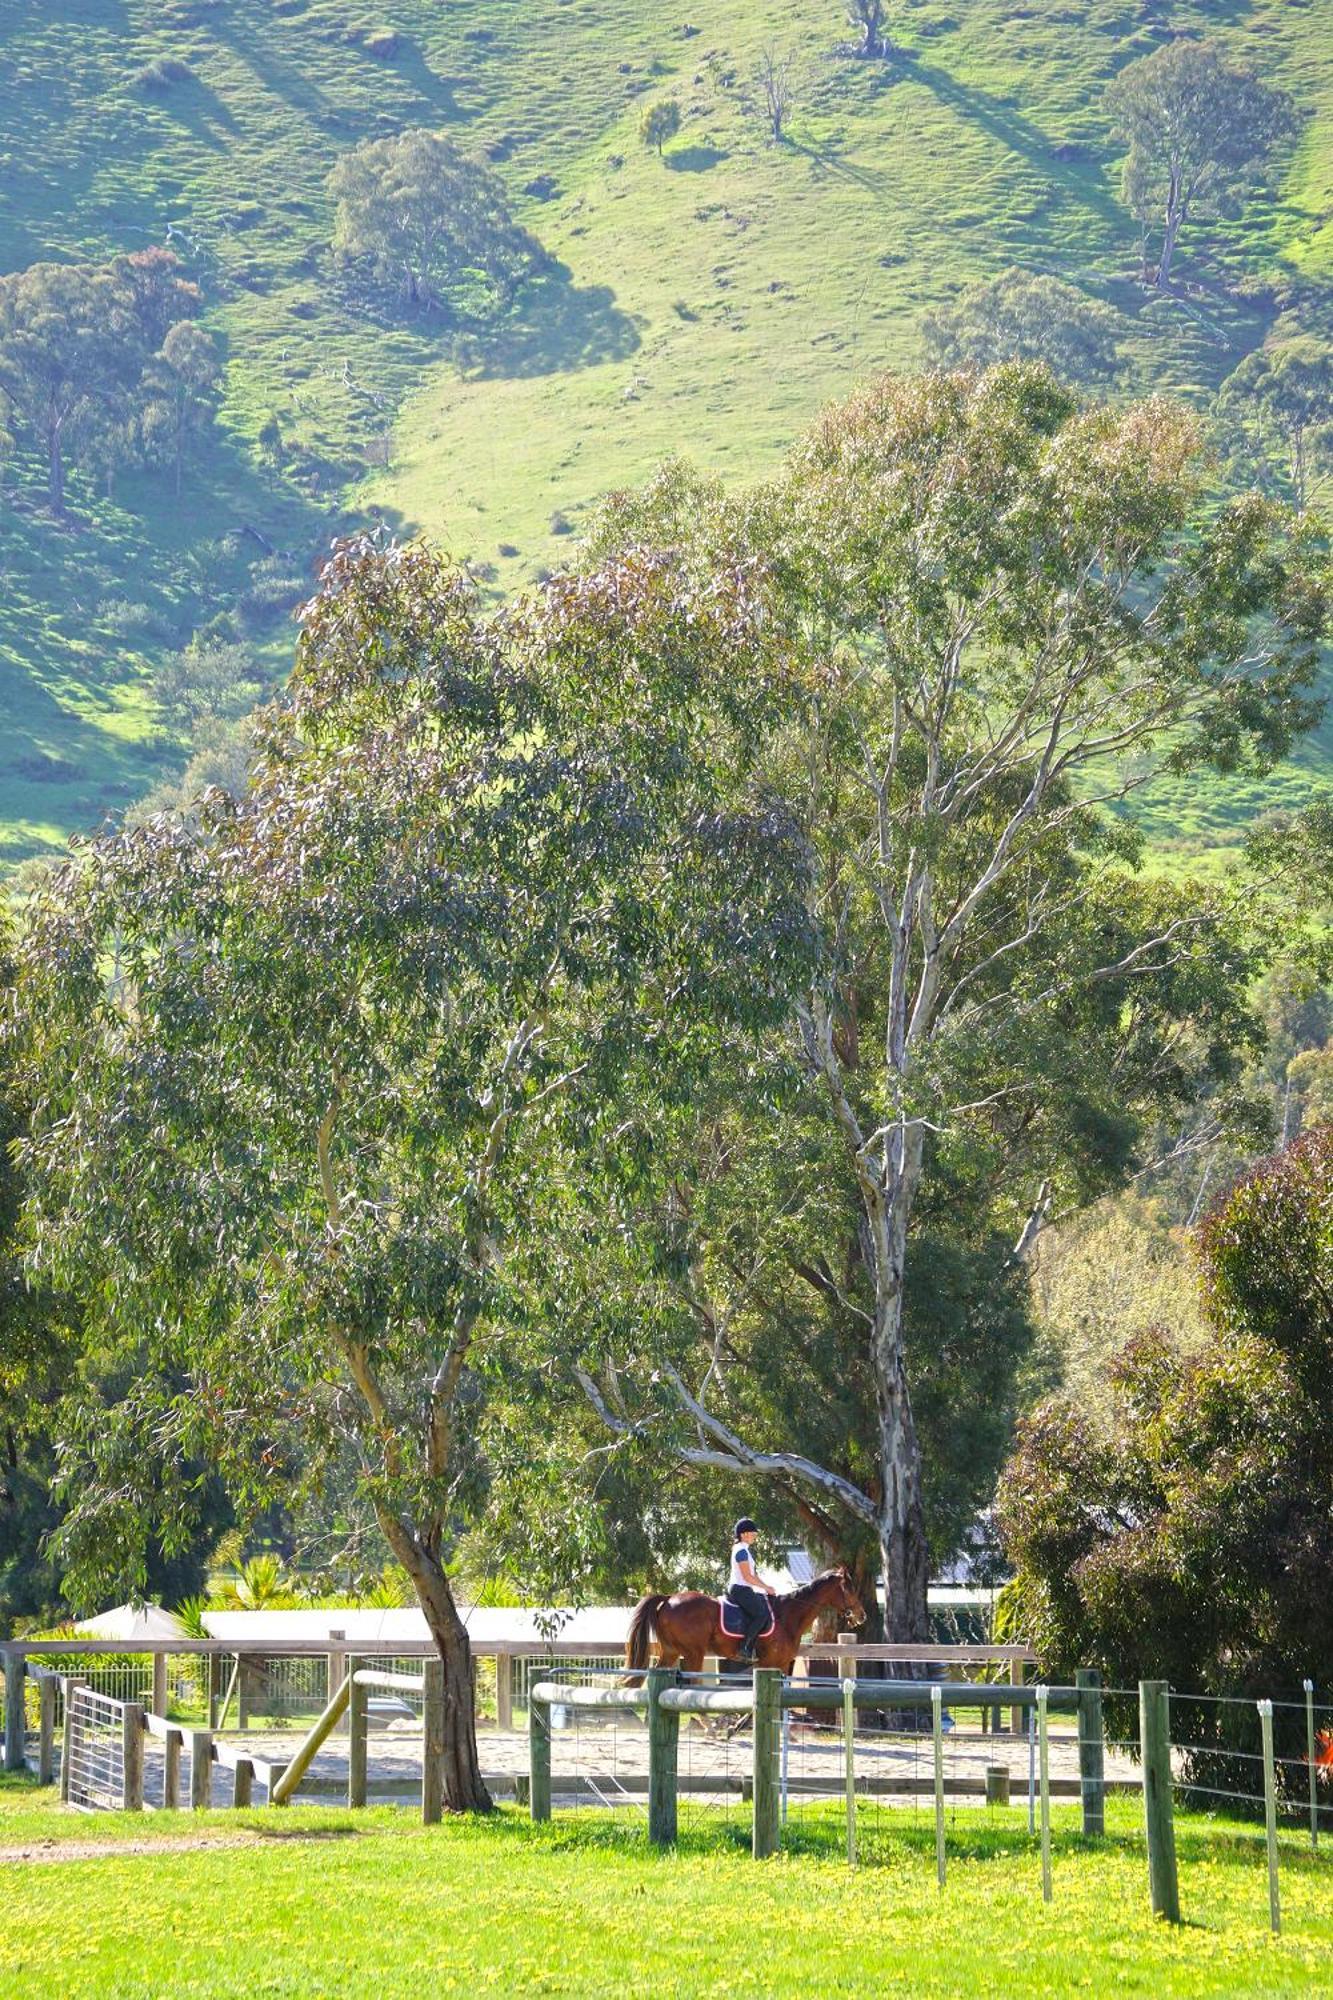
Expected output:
(1282, 396)
(300, 1061)
(74, 341)
(427, 221)
(1026, 316)
(1200, 133)
(1011, 612)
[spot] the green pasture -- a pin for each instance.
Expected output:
(707, 302)
(324, 1902)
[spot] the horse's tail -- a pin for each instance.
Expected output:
(641, 1632)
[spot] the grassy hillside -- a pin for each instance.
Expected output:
(707, 302)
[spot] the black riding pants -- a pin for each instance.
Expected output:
(753, 1607)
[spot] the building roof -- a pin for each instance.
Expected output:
(132, 1621)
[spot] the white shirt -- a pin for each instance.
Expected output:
(742, 1553)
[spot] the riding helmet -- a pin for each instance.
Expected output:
(745, 1526)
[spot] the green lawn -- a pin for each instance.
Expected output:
(375, 1905)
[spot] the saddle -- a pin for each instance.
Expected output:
(733, 1625)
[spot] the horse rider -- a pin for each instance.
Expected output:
(746, 1588)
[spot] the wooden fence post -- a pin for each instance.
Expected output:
(201, 1770)
(160, 1684)
(849, 1761)
(337, 1668)
(171, 1769)
(131, 1753)
(243, 1781)
(504, 1690)
(767, 1732)
(67, 1736)
(539, 1755)
(46, 1729)
(663, 1751)
(285, 1787)
(357, 1725)
(1091, 1750)
(432, 1743)
(15, 1746)
(1158, 1815)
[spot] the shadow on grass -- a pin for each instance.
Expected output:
(194, 107)
(436, 91)
(1083, 181)
(828, 160)
(285, 79)
(554, 328)
(693, 159)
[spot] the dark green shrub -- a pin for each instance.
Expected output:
(1190, 1537)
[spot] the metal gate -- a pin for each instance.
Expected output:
(93, 1772)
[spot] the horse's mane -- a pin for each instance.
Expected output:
(804, 1590)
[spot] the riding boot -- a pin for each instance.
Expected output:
(748, 1650)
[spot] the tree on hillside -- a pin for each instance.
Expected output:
(1282, 397)
(660, 122)
(1102, 1281)
(1021, 316)
(74, 343)
(775, 82)
(157, 294)
(1012, 611)
(1200, 132)
(208, 680)
(430, 224)
(67, 354)
(180, 394)
(867, 18)
(300, 1065)
(1187, 1534)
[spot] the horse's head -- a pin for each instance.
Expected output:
(846, 1599)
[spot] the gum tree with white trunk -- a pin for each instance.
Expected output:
(1011, 612)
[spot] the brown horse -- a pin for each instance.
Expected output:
(688, 1626)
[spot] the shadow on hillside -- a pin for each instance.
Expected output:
(828, 160)
(1002, 122)
(436, 92)
(555, 327)
(284, 79)
(196, 108)
(692, 159)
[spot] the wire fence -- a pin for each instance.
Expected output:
(1250, 1776)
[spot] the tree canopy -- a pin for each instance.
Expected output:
(298, 1062)
(1021, 316)
(1282, 397)
(78, 346)
(431, 225)
(1205, 1494)
(1200, 131)
(1011, 610)
(660, 122)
